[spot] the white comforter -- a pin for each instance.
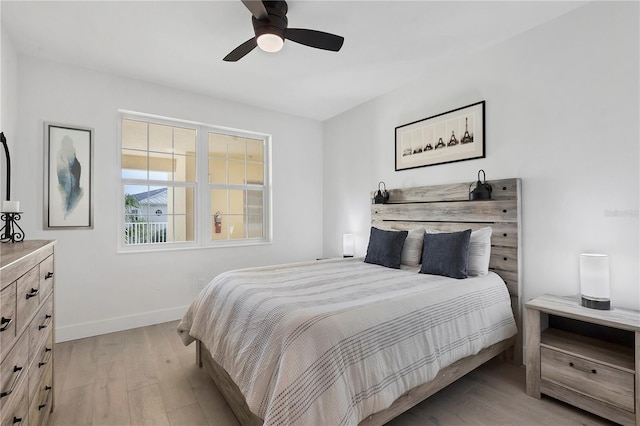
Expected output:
(331, 342)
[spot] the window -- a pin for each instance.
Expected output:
(188, 185)
(236, 184)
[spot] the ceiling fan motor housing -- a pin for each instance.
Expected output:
(276, 23)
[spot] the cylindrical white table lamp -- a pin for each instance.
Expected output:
(594, 281)
(347, 245)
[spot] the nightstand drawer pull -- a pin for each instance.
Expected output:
(586, 370)
(18, 370)
(48, 275)
(17, 420)
(6, 322)
(46, 323)
(33, 293)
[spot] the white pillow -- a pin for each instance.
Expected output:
(412, 250)
(479, 251)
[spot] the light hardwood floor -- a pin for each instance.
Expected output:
(146, 376)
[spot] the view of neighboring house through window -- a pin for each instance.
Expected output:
(172, 169)
(159, 175)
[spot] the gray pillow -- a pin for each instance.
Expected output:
(385, 247)
(446, 254)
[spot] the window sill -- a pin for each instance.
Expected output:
(159, 249)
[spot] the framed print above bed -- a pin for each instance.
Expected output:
(451, 136)
(68, 177)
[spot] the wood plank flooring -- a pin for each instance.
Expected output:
(146, 376)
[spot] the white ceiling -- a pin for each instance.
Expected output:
(181, 44)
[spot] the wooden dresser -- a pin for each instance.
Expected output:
(26, 332)
(585, 357)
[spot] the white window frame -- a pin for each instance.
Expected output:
(202, 208)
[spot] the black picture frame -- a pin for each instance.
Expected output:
(449, 137)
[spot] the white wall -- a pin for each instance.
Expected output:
(561, 113)
(101, 291)
(8, 104)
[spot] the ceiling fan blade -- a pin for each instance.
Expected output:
(240, 51)
(313, 38)
(256, 8)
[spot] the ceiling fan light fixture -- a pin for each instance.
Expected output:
(269, 42)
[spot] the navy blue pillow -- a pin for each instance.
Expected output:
(385, 247)
(446, 254)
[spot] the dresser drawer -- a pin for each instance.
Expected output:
(8, 317)
(599, 381)
(13, 371)
(46, 277)
(28, 296)
(43, 358)
(17, 411)
(40, 327)
(41, 403)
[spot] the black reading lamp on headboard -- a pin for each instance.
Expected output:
(482, 191)
(382, 196)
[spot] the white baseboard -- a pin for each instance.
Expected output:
(95, 328)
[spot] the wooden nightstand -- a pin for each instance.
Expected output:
(585, 357)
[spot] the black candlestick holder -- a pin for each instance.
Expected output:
(11, 232)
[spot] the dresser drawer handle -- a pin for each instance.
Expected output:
(33, 293)
(46, 401)
(6, 322)
(586, 370)
(18, 370)
(48, 275)
(46, 323)
(45, 362)
(17, 420)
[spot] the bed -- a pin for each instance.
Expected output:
(342, 341)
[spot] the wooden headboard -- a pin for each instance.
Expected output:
(447, 208)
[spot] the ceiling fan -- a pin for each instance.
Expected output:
(270, 26)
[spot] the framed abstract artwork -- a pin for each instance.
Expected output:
(455, 135)
(68, 177)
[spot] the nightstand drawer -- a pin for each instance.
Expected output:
(599, 381)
